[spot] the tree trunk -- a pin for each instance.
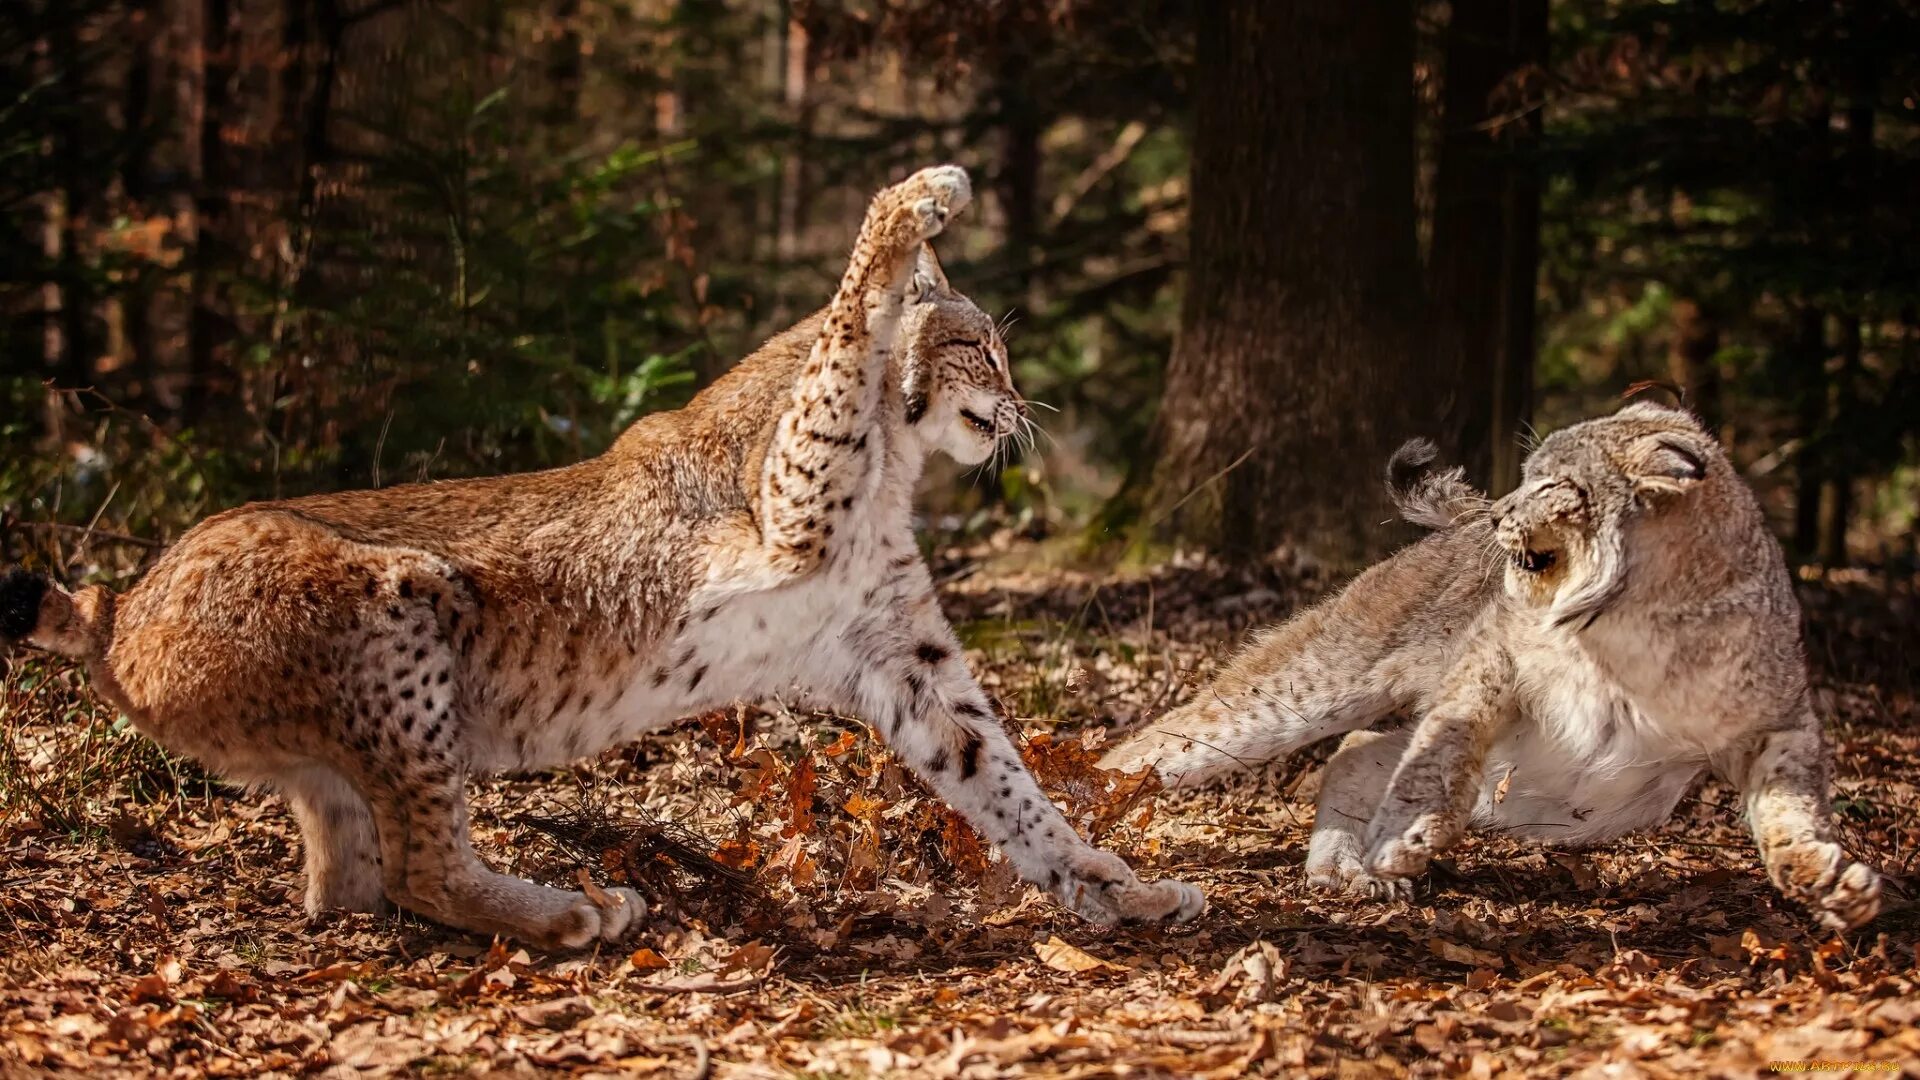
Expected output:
(136, 182)
(565, 65)
(1019, 179)
(1808, 371)
(78, 342)
(1291, 381)
(1690, 361)
(1842, 464)
(1486, 227)
(1840, 460)
(208, 325)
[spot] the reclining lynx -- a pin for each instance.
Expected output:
(364, 652)
(1577, 654)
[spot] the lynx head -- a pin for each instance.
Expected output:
(1623, 501)
(954, 379)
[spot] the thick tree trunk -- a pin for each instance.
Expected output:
(1292, 379)
(136, 176)
(1486, 226)
(1840, 470)
(565, 64)
(208, 325)
(78, 342)
(1808, 368)
(1690, 361)
(1843, 457)
(1019, 179)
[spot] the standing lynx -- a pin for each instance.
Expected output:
(1577, 654)
(365, 652)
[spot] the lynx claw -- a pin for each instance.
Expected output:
(1352, 879)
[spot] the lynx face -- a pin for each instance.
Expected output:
(958, 389)
(1595, 504)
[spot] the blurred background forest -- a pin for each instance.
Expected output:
(263, 247)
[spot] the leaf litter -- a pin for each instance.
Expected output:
(814, 912)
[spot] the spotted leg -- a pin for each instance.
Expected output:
(902, 669)
(410, 755)
(821, 462)
(1783, 777)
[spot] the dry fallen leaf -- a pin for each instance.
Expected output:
(1061, 956)
(751, 957)
(1455, 953)
(648, 960)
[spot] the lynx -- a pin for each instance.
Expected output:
(364, 653)
(1576, 654)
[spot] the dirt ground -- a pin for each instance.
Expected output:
(815, 915)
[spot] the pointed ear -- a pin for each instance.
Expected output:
(929, 280)
(1668, 464)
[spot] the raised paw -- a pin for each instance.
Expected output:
(927, 200)
(1101, 888)
(605, 915)
(1842, 893)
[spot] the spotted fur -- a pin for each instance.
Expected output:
(1576, 655)
(365, 653)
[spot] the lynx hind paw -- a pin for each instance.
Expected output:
(608, 916)
(930, 198)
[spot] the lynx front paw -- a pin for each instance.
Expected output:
(1842, 893)
(1102, 889)
(607, 916)
(928, 199)
(1347, 877)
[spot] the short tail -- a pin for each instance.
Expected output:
(1437, 500)
(36, 612)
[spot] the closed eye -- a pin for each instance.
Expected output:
(971, 343)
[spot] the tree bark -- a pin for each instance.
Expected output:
(1486, 227)
(78, 342)
(1291, 381)
(136, 181)
(1690, 363)
(1019, 179)
(1808, 369)
(208, 325)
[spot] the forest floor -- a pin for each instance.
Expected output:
(815, 914)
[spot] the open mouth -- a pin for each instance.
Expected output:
(1534, 562)
(979, 423)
